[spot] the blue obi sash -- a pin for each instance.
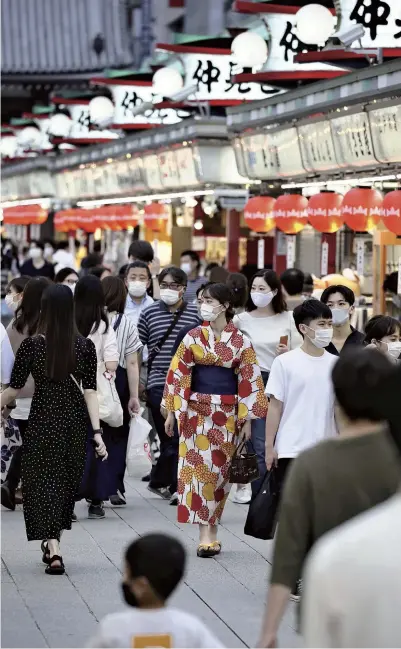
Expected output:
(210, 379)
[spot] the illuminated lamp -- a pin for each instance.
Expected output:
(362, 208)
(392, 211)
(101, 112)
(156, 216)
(314, 24)
(167, 82)
(291, 213)
(249, 50)
(324, 211)
(258, 213)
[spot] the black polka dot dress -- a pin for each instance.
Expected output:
(53, 452)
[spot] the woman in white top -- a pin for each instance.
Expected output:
(92, 322)
(271, 329)
(127, 382)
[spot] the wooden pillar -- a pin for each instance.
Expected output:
(232, 235)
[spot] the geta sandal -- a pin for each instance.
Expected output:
(208, 550)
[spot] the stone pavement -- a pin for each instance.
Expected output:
(227, 592)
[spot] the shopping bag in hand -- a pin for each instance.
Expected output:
(138, 458)
(262, 514)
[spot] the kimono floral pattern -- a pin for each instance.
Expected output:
(209, 423)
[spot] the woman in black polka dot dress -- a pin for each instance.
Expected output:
(54, 446)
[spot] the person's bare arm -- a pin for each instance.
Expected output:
(111, 366)
(154, 268)
(92, 404)
(277, 599)
(8, 396)
(133, 381)
(272, 423)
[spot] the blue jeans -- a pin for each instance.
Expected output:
(258, 438)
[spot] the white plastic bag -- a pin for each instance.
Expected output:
(138, 458)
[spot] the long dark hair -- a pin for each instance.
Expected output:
(115, 293)
(238, 283)
(272, 279)
(27, 314)
(223, 294)
(57, 324)
(89, 305)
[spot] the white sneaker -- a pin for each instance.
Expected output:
(243, 494)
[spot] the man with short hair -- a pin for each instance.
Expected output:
(143, 251)
(341, 299)
(190, 264)
(137, 279)
(334, 481)
(37, 266)
(166, 316)
(293, 280)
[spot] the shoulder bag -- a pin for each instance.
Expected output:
(110, 409)
(158, 347)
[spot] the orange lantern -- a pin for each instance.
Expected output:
(87, 220)
(392, 211)
(25, 215)
(127, 216)
(362, 208)
(291, 213)
(156, 217)
(60, 222)
(324, 211)
(258, 213)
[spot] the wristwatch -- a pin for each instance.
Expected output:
(155, 276)
(98, 431)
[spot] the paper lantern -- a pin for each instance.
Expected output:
(362, 208)
(324, 211)
(29, 138)
(156, 217)
(391, 216)
(291, 213)
(8, 146)
(25, 215)
(314, 24)
(127, 216)
(87, 221)
(101, 111)
(167, 82)
(60, 125)
(258, 213)
(249, 50)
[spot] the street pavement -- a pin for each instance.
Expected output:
(227, 592)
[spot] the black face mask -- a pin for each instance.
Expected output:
(128, 595)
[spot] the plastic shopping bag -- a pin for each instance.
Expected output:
(138, 458)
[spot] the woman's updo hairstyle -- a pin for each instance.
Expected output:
(223, 294)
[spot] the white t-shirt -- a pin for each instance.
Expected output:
(303, 383)
(265, 334)
(105, 343)
(63, 259)
(7, 357)
(353, 582)
(166, 627)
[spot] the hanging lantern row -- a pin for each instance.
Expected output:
(25, 215)
(108, 217)
(361, 209)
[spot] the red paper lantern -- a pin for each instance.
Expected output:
(87, 221)
(127, 216)
(156, 217)
(392, 211)
(25, 215)
(291, 213)
(362, 208)
(324, 211)
(258, 213)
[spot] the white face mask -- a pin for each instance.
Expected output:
(9, 300)
(136, 288)
(262, 299)
(208, 313)
(35, 253)
(323, 337)
(186, 267)
(169, 297)
(394, 349)
(48, 251)
(340, 316)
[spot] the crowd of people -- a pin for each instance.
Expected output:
(211, 359)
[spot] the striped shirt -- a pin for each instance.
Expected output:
(192, 287)
(127, 337)
(152, 326)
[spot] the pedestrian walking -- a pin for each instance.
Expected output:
(384, 333)
(14, 292)
(336, 479)
(190, 264)
(68, 277)
(25, 324)
(158, 328)
(271, 329)
(214, 388)
(154, 566)
(293, 280)
(36, 265)
(53, 458)
(341, 301)
(143, 251)
(93, 323)
(137, 280)
(127, 383)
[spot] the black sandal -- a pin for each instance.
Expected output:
(55, 570)
(46, 552)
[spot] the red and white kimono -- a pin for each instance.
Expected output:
(209, 420)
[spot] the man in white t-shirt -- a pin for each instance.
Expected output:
(154, 566)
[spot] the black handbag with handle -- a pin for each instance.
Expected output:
(262, 514)
(244, 465)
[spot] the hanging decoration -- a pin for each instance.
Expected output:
(362, 208)
(127, 216)
(25, 215)
(101, 112)
(156, 217)
(68, 220)
(258, 213)
(391, 216)
(249, 50)
(314, 24)
(167, 82)
(291, 213)
(324, 211)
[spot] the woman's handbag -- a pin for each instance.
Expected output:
(262, 514)
(244, 465)
(110, 409)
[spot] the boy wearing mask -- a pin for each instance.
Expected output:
(37, 266)
(341, 300)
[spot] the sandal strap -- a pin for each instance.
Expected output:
(55, 557)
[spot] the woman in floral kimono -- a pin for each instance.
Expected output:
(214, 388)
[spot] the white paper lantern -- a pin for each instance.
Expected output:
(101, 111)
(167, 82)
(314, 24)
(249, 50)
(8, 146)
(29, 138)
(60, 125)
